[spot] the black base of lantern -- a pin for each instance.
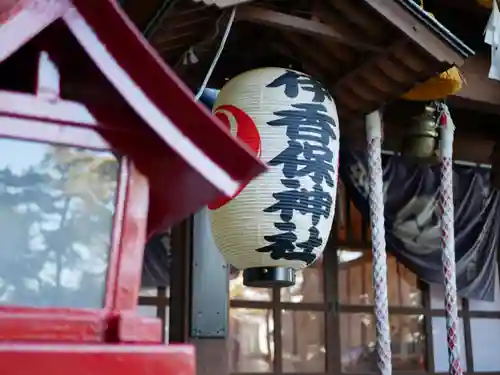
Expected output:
(268, 277)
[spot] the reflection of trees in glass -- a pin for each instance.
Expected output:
(355, 281)
(308, 286)
(358, 342)
(251, 340)
(358, 329)
(56, 208)
(303, 340)
(301, 332)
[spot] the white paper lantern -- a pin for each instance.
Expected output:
(281, 221)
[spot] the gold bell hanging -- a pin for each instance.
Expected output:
(495, 166)
(421, 141)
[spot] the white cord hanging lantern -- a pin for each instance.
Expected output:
(281, 221)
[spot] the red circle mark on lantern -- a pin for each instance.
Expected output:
(246, 131)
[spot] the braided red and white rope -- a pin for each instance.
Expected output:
(448, 240)
(383, 343)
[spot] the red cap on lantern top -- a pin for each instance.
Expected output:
(89, 168)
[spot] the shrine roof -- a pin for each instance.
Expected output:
(94, 41)
(367, 52)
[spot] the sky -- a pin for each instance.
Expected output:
(26, 154)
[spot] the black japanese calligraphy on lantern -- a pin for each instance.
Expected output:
(314, 202)
(294, 81)
(310, 131)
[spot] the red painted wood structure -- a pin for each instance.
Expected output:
(175, 157)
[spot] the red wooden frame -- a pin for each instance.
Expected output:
(115, 320)
(97, 359)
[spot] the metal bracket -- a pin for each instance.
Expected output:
(210, 283)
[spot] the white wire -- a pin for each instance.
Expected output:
(217, 55)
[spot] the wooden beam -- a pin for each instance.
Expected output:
(467, 146)
(417, 31)
(475, 132)
(299, 25)
(479, 92)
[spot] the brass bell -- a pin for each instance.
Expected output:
(420, 144)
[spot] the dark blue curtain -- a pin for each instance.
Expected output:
(157, 261)
(412, 220)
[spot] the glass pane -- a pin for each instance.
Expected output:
(351, 265)
(152, 291)
(485, 343)
(240, 292)
(308, 286)
(166, 324)
(251, 340)
(408, 342)
(358, 342)
(56, 211)
(148, 292)
(441, 346)
(147, 311)
(303, 336)
(437, 297)
(356, 283)
(403, 285)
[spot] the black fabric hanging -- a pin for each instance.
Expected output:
(157, 261)
(412, 219)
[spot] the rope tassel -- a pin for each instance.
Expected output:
(383, 342)
(448, 240)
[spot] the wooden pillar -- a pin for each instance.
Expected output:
(180, 280)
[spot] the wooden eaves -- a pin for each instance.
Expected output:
(368, 52)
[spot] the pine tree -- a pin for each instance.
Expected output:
(55, 220)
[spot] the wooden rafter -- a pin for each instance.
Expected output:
(479, 92)
(468, 145)
(418, 32)
(367, 52)
(299, 25)
(320, 59)
(325, 13)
